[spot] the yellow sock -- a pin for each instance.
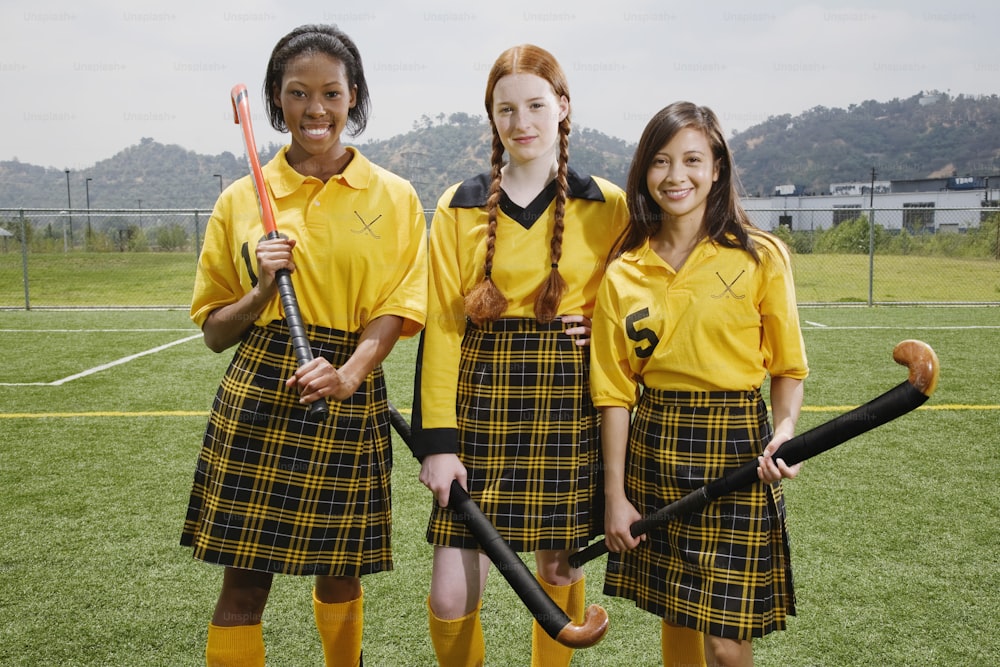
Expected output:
(546, 651)
(340, 625)
(235, 646)
(459, 642)
(682, 647)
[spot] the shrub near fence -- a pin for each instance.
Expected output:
(106, 230)
(146, 258)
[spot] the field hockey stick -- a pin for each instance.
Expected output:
(549, 615)
(907, 396)
(318, 409)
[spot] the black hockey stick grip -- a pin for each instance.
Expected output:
(690, 503)
(318, 409)
(549, 615)
(903, 398)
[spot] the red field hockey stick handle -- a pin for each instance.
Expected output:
(318, 409)
(549, 615)
(907, 396)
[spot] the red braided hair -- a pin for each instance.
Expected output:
(485, 302)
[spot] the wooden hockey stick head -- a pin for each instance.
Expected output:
(922, 362)
(591, 631)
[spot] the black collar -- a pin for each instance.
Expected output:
(474, 192)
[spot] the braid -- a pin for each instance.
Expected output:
(486, 303)
(548, 299)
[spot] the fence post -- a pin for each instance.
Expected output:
(197, 234)
(871, 257)
(24, 259)
(871, 242)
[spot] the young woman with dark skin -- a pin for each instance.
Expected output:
(273, 491)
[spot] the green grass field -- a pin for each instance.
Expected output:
(896, 279)
(894, 534)
(135, 279)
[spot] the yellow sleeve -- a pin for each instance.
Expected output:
(219, 280)
(782, 345)
(435, 422)
(404, 291)
(612, 381)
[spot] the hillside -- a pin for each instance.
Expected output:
(439, 152)
(923, 136)
(919, 137)
(146, 175)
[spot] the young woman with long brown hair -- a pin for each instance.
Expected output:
(696, 310)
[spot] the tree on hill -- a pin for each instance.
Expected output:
(919, 137)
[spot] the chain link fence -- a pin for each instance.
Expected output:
(106, 230)
(915, 254)
(145, 258)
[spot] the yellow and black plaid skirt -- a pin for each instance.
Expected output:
(724, 570)
(529, 438)
(276, 492)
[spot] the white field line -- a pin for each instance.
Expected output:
(102, 367)
(79, 331)
(132, 357)
(902, 328)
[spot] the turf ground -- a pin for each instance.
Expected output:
(894, 534)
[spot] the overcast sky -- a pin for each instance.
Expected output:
(83, 80)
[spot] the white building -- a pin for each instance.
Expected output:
(919, 206)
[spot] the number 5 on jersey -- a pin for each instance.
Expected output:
(641, 335)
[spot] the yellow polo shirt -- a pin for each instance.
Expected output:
(595, 214)
(721, 323)
(360, 254)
